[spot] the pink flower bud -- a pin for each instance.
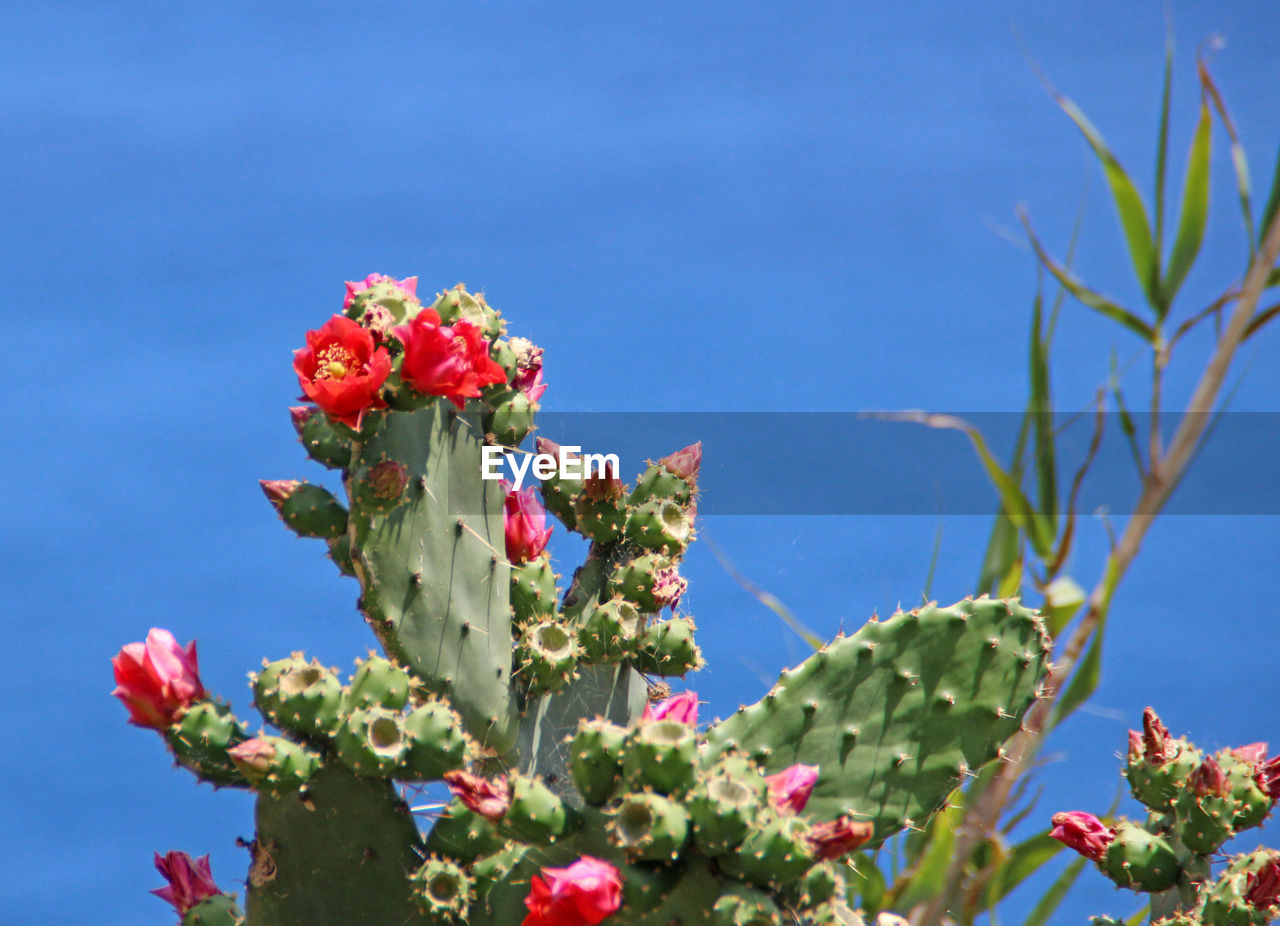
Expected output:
(1252, 753)
(1263, 887)
(278, 491)
(789, 790)
(300, 415)
(1268, 778)
(1083, 832)
(683, 708)
(489, 798)
(524, 521)
(528, 375)
(1157, 746)
(1135, 745)
(408, 286)
(157, 680)
(584, 894)
(603, 488)
(685, 463)
(253, 757)
(1209, 779)
(190, 882)
(839, 837)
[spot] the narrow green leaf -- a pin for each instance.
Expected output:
(1258, 321)
(1056, 893)
(1015, 503)
(1128, 202)
(1138, 918)
(927, 878)
(1084, 680)
(769, 600)
(1002, 550)
(1063, 597)
(1193, 212)
(933, 564)
(1042, 421)
(1162, 142)
(1273, 201)
(1244, 187)
(1127, 427)
(1091, 298)
(1025, 859)
(1011, 583)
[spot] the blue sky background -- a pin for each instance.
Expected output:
(708, 207)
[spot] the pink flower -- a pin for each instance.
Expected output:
(447, 360)
(585, 893)
(839, 837)
(683, 708)
(1209, 778)
(409, 286)
(157, 680)
(488, 798)
(524, 522)
(341, 370)
(685, 463)
(789, 790)
(1083, 832)
(1268, 777)
(190, 882)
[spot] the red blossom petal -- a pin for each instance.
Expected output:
(683, 708)
(790, 788)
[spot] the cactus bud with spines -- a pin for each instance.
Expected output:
(1246, 893)
(723, 808)
(464, 835)
(611, 631)
(667, 648)
(400, 297)
(558, 492)
(595, 759)
(1139, 859)
(319, 438)
(372, 741)
(457, 304)
(649, 827)
(307, 510)
(437, 742)
(1158, 764)
(535, 815)
(740, 905)
(547, 656)
(659, 524)
(600, 508)
(218, 910)
(273, 764)
(674, 476)
(775, 852)
(443, 891)
(649, 581)
(201, 737)
(1204, 809)
(533, 589)
(508, 417)
(298, 695)
(662, 755)
(377, 682)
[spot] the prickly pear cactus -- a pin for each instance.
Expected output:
(577, 783)
(1195, 804)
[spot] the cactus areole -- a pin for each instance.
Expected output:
(577, 801)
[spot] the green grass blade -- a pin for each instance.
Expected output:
(1094, 300)
(1056, 893)
(1273, 201)
(1025, 859)
(1162, 143)
(1239, 162)
(1042, 421)
(769, 600)
(1258, 321)
(1084, 680)
(1128, 202)
(1194, 210)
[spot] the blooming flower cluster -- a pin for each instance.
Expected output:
(345, 364)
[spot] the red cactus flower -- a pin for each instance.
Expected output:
(685, 463)
(447, 360)
(1263, 886)
(683, 708)
(157, 679)
(1083, 832)
(341, 370)
(839, 837)
(789, 790)
(524, 522)
(489, 798)
(408, 286)
(528, 376)
(584, 894)
(190, 881)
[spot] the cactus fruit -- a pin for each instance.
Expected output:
(576, 796)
